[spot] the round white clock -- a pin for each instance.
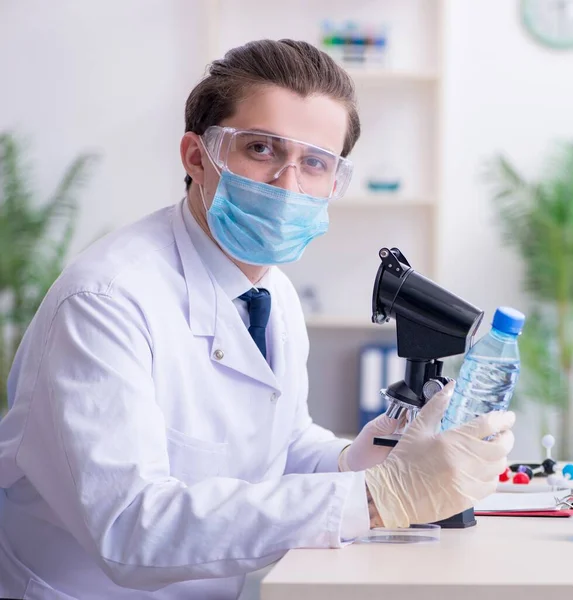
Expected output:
(550, 22)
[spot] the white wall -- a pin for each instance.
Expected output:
(503, 92)
(112, 76)
(397, 129)
(107, 76)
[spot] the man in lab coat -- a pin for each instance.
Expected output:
(159, 443)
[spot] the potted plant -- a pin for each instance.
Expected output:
(537, 219)
(34, 241)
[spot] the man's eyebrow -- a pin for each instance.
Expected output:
(262, 130)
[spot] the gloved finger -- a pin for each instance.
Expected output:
(502, 443)
(485, 489)
(485, 450)
(498, 447)
(433, 411)
(495, 450)
(489, 424)
(381, 453)
(384, 425)
(490, 471)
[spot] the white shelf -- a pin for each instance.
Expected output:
(380, 75)
(342, 322)
(381, 200)
(401, 109)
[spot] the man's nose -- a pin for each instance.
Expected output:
(287, 178)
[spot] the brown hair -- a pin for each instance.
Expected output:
(296, 66)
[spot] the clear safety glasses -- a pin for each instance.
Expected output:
(264, 157)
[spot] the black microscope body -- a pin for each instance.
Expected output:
(431, 324)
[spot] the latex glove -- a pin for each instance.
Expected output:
(430, 476)
(362, 453)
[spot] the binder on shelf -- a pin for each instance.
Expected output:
(379, 366)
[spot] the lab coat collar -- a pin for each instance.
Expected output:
(211, 312)
(228, 275)
(201, 305)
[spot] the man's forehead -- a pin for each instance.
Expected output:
(317, 120)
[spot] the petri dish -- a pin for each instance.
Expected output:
(415, 534)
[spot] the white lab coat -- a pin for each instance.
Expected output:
(151, 451)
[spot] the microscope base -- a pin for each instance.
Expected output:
(460, 521)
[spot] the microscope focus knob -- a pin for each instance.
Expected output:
(433, 386)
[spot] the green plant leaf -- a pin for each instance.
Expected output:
(541, 378)
(536, 218)
(35, 238)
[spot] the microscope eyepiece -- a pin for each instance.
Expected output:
(431, 322)
(393, 269)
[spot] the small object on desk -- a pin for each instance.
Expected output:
(527, 470)
(548, 441)
(547, 467)
(565, 502)
(506, 475)
(568, 471)
(414, 534)
(557, 480)
(521, 478)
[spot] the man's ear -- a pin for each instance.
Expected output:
(191, 157)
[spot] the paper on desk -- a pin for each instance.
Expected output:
(518, 502)
(534, 486)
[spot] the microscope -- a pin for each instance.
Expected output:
(431, 324)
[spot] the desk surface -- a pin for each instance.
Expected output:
(513, 557)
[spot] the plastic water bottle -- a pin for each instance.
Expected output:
(489, 372)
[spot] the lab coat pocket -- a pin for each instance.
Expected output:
(192, 460)
(37, 590)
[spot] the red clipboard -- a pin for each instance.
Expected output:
(526, 513)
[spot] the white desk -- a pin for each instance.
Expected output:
(512, 557)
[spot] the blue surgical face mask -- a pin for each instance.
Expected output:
(260, 224)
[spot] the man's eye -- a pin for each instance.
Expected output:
(260, 148)
(314, 163)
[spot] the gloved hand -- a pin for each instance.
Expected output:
(431, 476)
(362, 453)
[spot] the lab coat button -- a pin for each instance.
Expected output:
(218, 354)
(273, 397)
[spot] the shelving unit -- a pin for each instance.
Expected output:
(381, 201)
(378, 76)
(327, 322)
(400, 108)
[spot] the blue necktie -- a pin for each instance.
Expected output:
(259, 307)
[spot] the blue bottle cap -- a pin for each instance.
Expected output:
(508, 320)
